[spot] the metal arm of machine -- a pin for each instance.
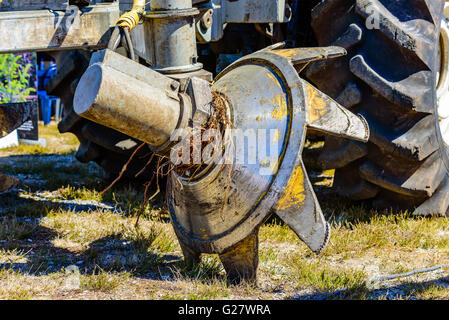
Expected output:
(83, 28)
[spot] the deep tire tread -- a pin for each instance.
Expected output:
(395, 94)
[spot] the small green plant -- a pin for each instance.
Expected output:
(14, 79)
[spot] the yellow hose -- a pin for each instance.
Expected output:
(131, 18)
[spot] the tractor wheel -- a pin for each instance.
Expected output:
(396, 76)
(108, 148)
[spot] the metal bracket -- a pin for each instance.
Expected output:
(242, 11)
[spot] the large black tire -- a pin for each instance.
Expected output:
(388, 76)
(100, 144)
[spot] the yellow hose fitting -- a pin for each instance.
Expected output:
(131, 18)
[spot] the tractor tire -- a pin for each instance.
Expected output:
(110, 149)
(389, 76)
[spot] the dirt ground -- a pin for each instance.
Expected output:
(61, 239)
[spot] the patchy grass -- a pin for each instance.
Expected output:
(403, 230)
(277, 232)
(60, 238)
(16, 285)
(199, 290)
(103, 281)
(86, 227)
(324, 278)
(12, 229)
(57, 143)
(209, 268)
(429, 291)
(72, 193)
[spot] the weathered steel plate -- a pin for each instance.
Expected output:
(8, 5)
(44, 30)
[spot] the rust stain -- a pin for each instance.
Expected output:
(294, 193)
(316, 104)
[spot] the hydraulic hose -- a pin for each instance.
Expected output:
(131, 18)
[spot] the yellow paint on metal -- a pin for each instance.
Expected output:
(273, 79)
(271, 164)
(316, 104)
(204, 232)
(277, 136)
(294, 193)
(286, 53)
(265, 162)
(274, 165)
(292, 54)
(278, 100)
(243, 251)
(281, 103)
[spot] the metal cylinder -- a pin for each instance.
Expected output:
(174, 45)
(170, 4)
(169, 31)
(126, 104)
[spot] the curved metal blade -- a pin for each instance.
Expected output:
(298, 207)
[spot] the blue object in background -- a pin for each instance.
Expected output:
(45, 74)
(46, 112)
(225, 60)
(42, 65)
(46, 102)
